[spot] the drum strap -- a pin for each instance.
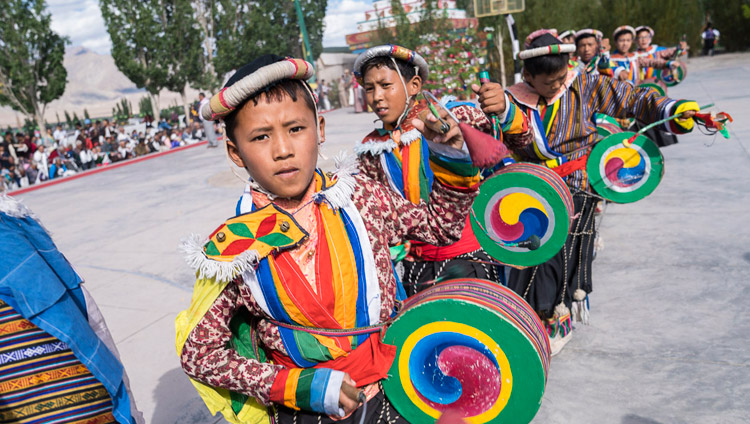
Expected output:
(567, 168)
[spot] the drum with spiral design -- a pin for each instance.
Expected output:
(522, 214)
(469, 346)
(672, 77)
(625, 174)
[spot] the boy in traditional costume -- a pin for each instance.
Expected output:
(399, 156)
(591, 56)
(627, 65)
(58, 362)
(644, 36)
(293, 292)
(560, 105)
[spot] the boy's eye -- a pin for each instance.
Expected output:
(386, 85)
(297, 129)
(259, 137)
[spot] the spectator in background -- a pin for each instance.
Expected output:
(345, 84)
(141, 149)
(41, 161)
(59, 135)
(58, 169)
(123, 151)
(87, 158)
(710, 36)
(208, 126)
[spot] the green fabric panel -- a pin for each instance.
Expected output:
(462, 169)
(244, 342)
(276, 240)
(310, 348)
(304, 384)
(240, 229)
(211, 249)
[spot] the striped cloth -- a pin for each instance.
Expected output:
(41, 381)
(567, 122)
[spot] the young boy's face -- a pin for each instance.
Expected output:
(276, 143)
(587, 49)
(644, 40)
(547, 85)
(385, 94)
(624, 42)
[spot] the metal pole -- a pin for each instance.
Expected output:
(306, 51)
(516, 48)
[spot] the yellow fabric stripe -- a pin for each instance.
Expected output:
(58, 402)
(449, 178)
(415, 156)
(555, 107)
(290, 388)
(344, 275)
(94, 385)
(687, 124)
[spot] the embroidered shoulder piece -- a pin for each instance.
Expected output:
(242, 241)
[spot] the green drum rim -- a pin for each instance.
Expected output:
(655, 86)
(528, 379)
(521, 257)
(667, 77)
(600, 117)
(655, 169)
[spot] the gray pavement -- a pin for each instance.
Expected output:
(666, 342)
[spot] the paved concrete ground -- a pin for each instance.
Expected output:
(668, 338)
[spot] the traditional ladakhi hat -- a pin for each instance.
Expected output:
(253, 78)
(589, 32)
(395, 52)
(555, 48)
(567, 33)
(644, 28)
(619, 30)
(536, 34)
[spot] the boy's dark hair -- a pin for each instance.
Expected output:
(583, 37)
(407, 71)
(547, 64)
(275, 92)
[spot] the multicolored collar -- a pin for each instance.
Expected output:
(242, 241)
(387, 139)
(525, 94)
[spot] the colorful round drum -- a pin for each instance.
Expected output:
(606, 126)
(519, 203)
(672, 77)
(470, 346)
(652, 84)
(625, 174)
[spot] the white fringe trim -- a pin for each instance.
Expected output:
(340, 194)
(192, 247)
(580, 312)
(409, 136)
(12, 207)
(374, 147)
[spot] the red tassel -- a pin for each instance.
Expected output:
(484, 149)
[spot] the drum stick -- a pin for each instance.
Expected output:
(352, 392)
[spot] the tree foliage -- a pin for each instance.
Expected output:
(31, 59)
(245, 30)
(407, 34)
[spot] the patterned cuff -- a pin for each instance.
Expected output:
(682, 126)
(508, 105)
(310, 389)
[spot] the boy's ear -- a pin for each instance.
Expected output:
(322, 126)
(414, 86)
(234, 153)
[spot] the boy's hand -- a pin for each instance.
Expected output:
(428, 125)
(491, 97)
(622, 76)
(347, 403)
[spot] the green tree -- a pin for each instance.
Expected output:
(184, 65)
(205, 15)
(75, 119)
(245, 30)
(57, 115)
(407, 34)
(136, 34)
(732, 19)
(31, 59)
(86, 113)
(68, 119)
(144, 106)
